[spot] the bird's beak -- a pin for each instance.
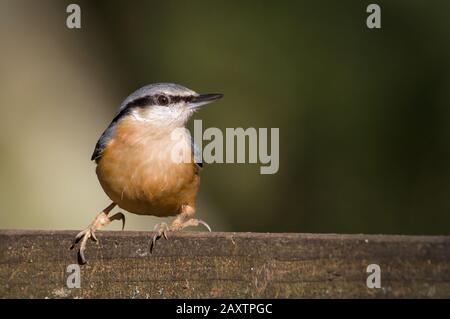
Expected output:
(203, 99)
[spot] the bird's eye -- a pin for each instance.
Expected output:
(163, 100)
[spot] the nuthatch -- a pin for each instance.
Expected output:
(135, 164)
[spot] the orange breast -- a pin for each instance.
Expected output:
(138, 173)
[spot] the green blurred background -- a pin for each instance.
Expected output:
(364, 115)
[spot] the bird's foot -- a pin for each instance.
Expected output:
(161, 230)
(83, 236)
(101, 220)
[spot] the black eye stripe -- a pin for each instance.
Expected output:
(178, 98)
(140, 102)
(153, 99)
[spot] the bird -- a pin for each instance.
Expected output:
(136, 165)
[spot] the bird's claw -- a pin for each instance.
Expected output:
(204, 224)
(93, 237)
(161, 231)
(83, 236)
(118, 216)
(78, 238)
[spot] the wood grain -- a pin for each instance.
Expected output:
(224, 265)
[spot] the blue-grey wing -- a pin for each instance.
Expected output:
(102, 143)
(106, 137)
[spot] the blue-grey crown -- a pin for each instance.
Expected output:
(152, 89)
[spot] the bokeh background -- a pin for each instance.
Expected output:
(364, 115)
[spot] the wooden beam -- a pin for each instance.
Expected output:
(224, 265)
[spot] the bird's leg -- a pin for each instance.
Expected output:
(100, 220)
(183, 220)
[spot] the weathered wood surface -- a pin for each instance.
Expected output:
(224, 265)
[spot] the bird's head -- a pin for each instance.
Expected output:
(165, 104)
